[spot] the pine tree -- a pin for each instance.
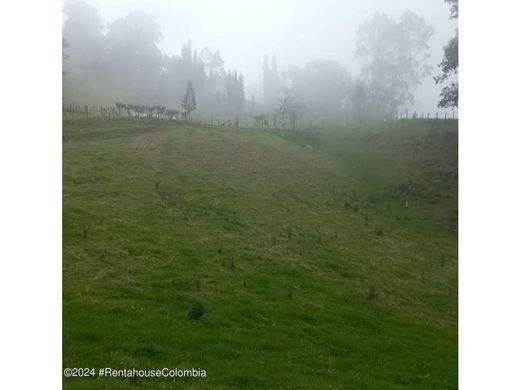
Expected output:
(188, 102)
(241, 99)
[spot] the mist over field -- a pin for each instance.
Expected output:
(144, 52)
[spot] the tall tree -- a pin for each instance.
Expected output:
(64, 54)
(83, 31)
(394, 55)
(188, 101)
(241, 97)
(323, 86)
(450, 65)
(132, 41)
(271, 83)
(291, 108)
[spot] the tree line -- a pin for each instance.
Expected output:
(394, 54)
(120, 61)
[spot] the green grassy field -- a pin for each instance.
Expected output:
(322, 259)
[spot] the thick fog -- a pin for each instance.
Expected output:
(310, 39)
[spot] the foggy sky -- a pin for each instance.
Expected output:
(296, 31)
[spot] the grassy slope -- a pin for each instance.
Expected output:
(298, 290)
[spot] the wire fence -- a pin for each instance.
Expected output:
(148, 114)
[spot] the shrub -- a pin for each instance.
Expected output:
(378, 230)
(84, 230)
(372, 292)
(196, 311)
(373, 197)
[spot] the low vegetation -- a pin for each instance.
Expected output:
(254, 254)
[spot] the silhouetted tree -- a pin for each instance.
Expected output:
(64, 55)
(83, 30)
(291, 108)
(450, 65)
(235, 93)
(188, 101)
(132, 45)
(64, 45)
(322, 85)
(395, 53)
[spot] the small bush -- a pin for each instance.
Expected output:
(196, 311)
(372, 292)
(219, 250)
(84, 230)
(373, 197)
(378, 230)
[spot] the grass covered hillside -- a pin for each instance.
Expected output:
(270, 259)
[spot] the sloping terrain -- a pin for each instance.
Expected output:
(324, 259)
